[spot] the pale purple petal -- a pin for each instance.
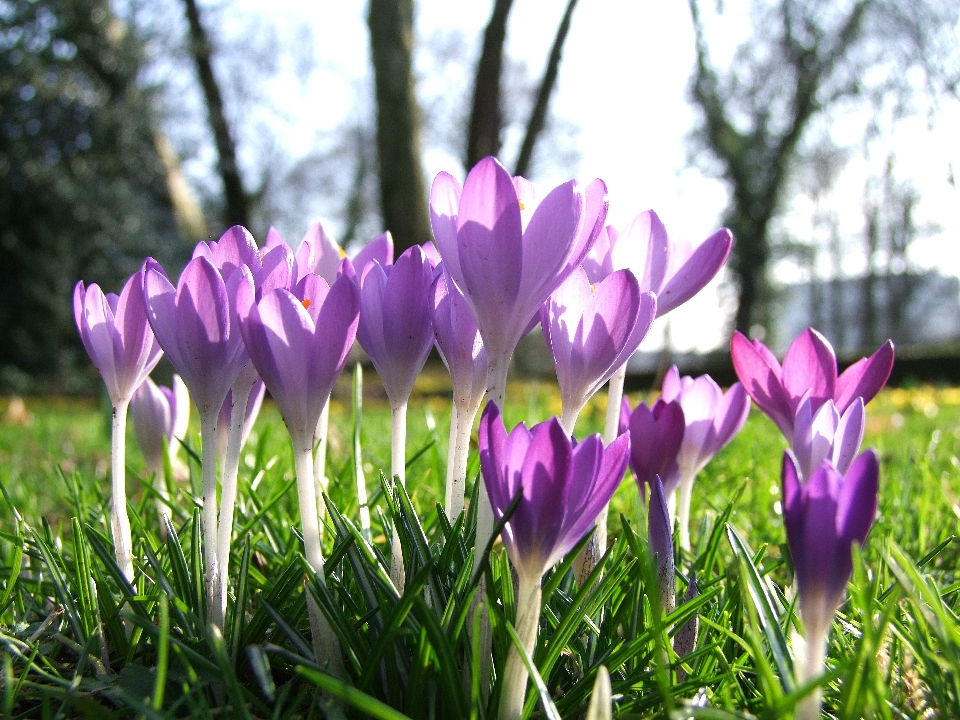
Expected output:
(849, 436)
(444, 203)
(693, 275)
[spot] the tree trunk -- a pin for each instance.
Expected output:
(403, 194)
(486, 118)
(236, 202)
(538, 116)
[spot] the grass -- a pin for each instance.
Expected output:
(77, 641)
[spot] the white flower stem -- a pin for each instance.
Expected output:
(398, 443)
(228, 489)
(119, 521)
(208, 459)
(357, 453)
(499, 364)
(811, 666)
(683, 510)
(515, 674)
(326, 647)
(320, 460)
(461, 427)
(597, 544)
(568, 418)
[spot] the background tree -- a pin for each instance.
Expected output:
(83, 192)
(403, 193)
(803, 57)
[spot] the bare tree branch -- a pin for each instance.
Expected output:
(236, 200)
(486, 117)
(538, 115)
(402, 187)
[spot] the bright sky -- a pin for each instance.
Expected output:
(623, 82)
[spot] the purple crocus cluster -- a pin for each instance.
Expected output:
(241, 320)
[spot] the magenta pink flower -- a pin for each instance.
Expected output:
(674, 270)
(117, 336)
(563, 487)
(824, 516)
(809, 365)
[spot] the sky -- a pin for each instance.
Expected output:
(622, 84)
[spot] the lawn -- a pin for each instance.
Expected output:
(76, 640)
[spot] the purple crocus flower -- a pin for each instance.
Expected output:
(298, 340)
(655, 437)
(591, 331)
(160, 414)
(674, 270)
(193, 325)
(824, 516)
(809, 365)
(506, 256)
(160, 417)
(117, 336)
(712, 417)
(317, 252)
(711, 420)
(825, 434)
(458, 340)
(379, 249)
(395, 320)
(563, 486)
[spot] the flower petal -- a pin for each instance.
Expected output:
(865, 377)
(694, 274)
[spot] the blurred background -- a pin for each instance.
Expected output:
(824, 134)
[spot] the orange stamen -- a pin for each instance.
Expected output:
(306, 303)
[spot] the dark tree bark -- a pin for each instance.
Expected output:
(757, 160)
(486, 118)
(236, 201)
(403, 197)
(538, 116)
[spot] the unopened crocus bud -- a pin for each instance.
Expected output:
(660, 531)
(655, 437)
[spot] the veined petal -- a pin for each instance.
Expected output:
(643, 246)
(139, 352)
(694, 274)
(810, 364)
(549, 243)
(490, 253)
(379, 248)
(444, 209)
